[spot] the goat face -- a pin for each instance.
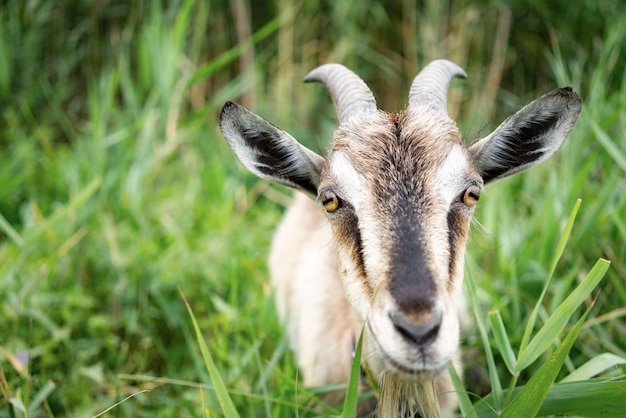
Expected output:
(396, 195)
(399, 192)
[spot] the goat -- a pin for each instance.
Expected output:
(385, 252)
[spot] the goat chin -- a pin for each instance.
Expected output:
(406, 398)
(428, 398)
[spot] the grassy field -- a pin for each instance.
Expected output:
(118, 195)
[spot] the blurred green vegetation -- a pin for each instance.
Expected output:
(116, 187)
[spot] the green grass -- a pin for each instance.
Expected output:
(117, 190)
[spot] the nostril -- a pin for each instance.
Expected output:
(416, 336)
(418, 333)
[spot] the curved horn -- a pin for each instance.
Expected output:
(348, 91)
(430, 86)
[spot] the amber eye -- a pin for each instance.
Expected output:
(329, 201)
(471, 196)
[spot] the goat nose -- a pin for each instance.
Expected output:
(417, 330)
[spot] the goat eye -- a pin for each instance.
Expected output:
(471, 196)
(330, 202)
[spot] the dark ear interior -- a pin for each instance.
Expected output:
(278, 161)
(529, 136)
(269, 152)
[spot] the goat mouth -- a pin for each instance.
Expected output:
(419, 372)
(415, 366)
(410, 373)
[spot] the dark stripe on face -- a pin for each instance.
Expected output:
(348, 232)
(453, 238)
(411, 283)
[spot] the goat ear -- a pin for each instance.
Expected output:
(528, 137)
(269, 152)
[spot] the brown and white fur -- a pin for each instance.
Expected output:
(376, 239)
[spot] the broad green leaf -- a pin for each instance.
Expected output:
(502, 340)
(530, 325)
(528, 402)
(590, 398)
(226, 403)
(595, 366)
(559, 318)
(602, 397)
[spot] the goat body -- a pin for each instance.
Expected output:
(385, 251)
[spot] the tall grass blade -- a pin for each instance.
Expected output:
(40, 397)
(181, 24)
(557, 321)
(530, 325)
(528, 402)
(10, 231)
(229, 56)
(465, 403)
(494, 379)
(352, 394)
(18, 404)
(618, 155)
(223, 397)
(115, 405)
(502, 340)
(79, 200)
(564, 238)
